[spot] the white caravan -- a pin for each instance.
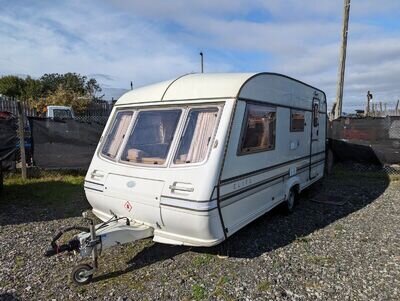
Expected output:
(192, 160)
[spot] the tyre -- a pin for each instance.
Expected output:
(288, 205)
(78, 274)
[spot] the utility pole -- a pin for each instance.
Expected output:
(202, 62)
(342, 60)
(369, 97)
(397, 107)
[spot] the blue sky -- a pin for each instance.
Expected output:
(148, 41)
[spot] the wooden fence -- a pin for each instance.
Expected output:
(9, 104)
(95, 112)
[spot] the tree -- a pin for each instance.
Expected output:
(75, 82)
(50, 82)
(92, 87)
(33, 89)
(65, 97)
(12, 86)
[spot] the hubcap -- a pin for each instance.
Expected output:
(80, 276)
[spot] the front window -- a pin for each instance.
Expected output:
(117, 133)
(62, 114)
(197, 136)
(151, 136)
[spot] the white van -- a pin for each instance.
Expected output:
(60, 112)
(192, 160)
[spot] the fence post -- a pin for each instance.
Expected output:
(21, 133)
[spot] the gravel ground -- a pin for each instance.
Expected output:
(341, 243)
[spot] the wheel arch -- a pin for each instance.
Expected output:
(292, 183)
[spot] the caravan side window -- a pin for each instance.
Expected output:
(116, 134)
(296, 121)
(258, 133)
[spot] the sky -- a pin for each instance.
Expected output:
(118, 41)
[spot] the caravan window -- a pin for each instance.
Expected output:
(296, 121)
(197, 136)
(258, 133)
(117, 133)
(151, 136)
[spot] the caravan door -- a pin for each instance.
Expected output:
(315, 140)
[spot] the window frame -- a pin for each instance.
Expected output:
(173, 141)
(110, 128)
(185, 108)
(291, 120)
(239, 151)
(188, 109)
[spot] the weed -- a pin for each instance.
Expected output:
(19, 262)
(303, 239)
(339, 227)
(321, 260)
(198, 292)
(264, 286)
(202, 260)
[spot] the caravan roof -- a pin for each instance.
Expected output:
(270, 87)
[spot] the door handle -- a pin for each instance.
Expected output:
(96, 174)
(181, 188)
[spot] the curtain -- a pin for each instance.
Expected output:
(118, 133)
(201, 137)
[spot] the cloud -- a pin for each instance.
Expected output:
(147, 41)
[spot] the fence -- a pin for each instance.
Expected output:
(366, 140)
(64, 143)
(97, 111)
(9, 104)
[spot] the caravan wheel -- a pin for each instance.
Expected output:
(290, 202)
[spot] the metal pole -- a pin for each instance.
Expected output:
(397, 107)
(21, 133)
(369, 97)
(342, 62)
(202, 62)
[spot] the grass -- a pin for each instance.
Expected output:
(303, 239)
(219, 291)
(198, 292)
(19, 262)
(264, 286)
(202, 260)
(47, 188)
(321, 260)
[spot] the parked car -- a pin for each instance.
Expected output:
(60, 112)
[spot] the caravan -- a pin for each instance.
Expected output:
(193, 160)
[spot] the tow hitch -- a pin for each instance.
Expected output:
(95, 238)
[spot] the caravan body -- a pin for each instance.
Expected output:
(199, 157)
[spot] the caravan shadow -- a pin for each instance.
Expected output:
(333, 198)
